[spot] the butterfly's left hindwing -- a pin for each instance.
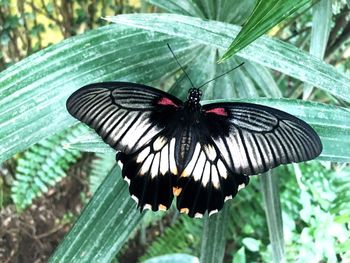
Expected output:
(151, 173)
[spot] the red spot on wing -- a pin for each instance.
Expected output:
(218, 111)
(167, 102)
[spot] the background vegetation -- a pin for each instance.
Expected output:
(48, 176)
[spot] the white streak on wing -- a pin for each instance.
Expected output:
(223, 150)
(164, 160)
(135, 199)
(122, 126)
(236, 156)
(142, 155)
(206, 174)
(120, 164)
(198, 215)
(127, 180)
(159, 143)
(100, 118)
(254, 154)
(241, 186)
(228, 198)
(189, 168)
(222, 169)
(148, 136)
(213, 212)
(146, 165)
(155, 165)
(215, 177)
(244, 155)
(147, 207)
(198, 170)
(135, 132)
(173, 168)
(112, 120)
(210, 151)
(267, 153)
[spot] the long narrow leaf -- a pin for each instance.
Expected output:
(266, 14)
(321, 24)
(273, 212)
(214, 237)
(265, 51)
(103, 227)
(185, 7)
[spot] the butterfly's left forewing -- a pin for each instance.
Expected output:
(135, 120)
(123, 113)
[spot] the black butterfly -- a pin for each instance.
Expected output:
(201, 154)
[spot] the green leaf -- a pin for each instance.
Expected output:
(251, 243)
(228, 11)
(103, 227)
(185, 7)
(214, 237)
(321, 24)
(33, 92)
(265, 51)
(239, 257)
(273, 214)
(266, 15)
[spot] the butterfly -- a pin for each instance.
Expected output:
(202, 154)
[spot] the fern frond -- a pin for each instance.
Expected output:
(42, 166)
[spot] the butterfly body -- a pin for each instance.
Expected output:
(201, 154)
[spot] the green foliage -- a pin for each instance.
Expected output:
(181, 237)
(107, 222)
(42, 166)
(266, 15)
(28, 26)
(313, 202)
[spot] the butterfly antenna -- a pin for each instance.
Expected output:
(221, 75)
(172, 52)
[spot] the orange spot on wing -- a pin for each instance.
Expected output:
(177, 191)
(162, 207)
(184, 210)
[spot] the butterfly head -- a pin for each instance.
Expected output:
(194, 96)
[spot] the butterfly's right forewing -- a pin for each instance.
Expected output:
(259, 138)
